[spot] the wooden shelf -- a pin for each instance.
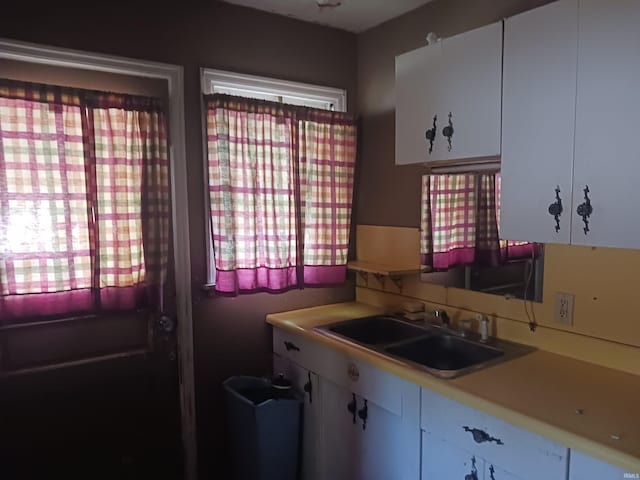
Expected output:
(381, 271)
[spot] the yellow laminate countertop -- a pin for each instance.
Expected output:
(583, 406)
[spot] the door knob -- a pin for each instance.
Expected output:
(308, 387)
(585, 209)
(555, 209)
(448, 131)
(352, 407)
(431, 134)
(363, 413)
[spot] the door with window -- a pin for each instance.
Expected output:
(88, 371)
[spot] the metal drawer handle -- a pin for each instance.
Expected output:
(291, 346)
(480, 436)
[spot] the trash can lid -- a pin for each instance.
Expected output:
(280, 383)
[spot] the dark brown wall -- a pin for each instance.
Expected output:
(390, 195)
(230, 333)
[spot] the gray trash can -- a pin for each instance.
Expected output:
(265, 429)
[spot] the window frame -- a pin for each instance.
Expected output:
(261, 87)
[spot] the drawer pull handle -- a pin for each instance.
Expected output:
(363, 413)
(352, 407)
(474, 471)
(480, 436)
(291, 346)
(308, 387)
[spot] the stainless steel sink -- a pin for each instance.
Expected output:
(376, 330)
(437, 350)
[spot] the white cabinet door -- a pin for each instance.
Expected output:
(307, 385)
(471, 86)
(339, 432)
(442, 460)
(583, 467)
(494, 472)
(607, 152)
(382, 445)
(417, 95)
(538, 119)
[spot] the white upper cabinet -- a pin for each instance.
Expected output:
(461, 76)
(416, 105)
(538, 113)
(471, 75)
(570, 121)
(607, 151)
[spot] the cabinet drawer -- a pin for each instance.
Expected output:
(380, 387)
(297, 349)
(514, 449)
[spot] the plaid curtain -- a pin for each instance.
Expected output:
(459, 222)
(280, 187)
(75, 181)
(327, 150)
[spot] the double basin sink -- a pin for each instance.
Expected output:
(438, 350)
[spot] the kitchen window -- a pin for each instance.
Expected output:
(84, 205)
(280, 166)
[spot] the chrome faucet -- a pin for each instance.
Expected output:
(442, 316)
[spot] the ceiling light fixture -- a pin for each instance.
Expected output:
(329, 3)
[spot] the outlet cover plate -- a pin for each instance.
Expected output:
(563, 311)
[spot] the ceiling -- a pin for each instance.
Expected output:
(352, 15)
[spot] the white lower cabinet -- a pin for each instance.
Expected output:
(364, 441)
(583, 467)
(362, 423)
(307, 385)
(359, 422)
(443, 460)
(494, 472)
(505, 451)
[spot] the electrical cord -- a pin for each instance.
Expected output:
(533, 324)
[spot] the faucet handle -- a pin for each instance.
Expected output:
(465, 327)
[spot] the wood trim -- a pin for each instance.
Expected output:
(485, 164)
(174, 76)
(72, 363)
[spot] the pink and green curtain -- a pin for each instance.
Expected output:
(84, 201)
(459, 223)
(280, 189)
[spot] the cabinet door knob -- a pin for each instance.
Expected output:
(480, 436)
(363, 413)
(585, 209)
(291, 346)
(431, 134)
(308, 387)
(474, 471)
(448, 131)
(555, 209)
(352, 407)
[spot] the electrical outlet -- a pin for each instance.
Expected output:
(563, 312)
